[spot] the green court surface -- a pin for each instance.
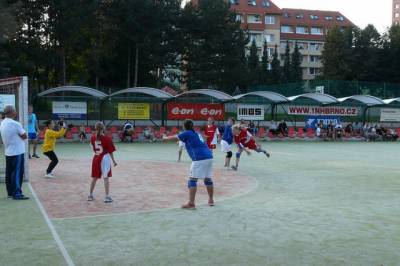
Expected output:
(313, 204)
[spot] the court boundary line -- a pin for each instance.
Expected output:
(53, 231)
(253, 188)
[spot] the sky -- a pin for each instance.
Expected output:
(360, 12)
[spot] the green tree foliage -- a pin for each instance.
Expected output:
(253, 63)
(286, 70)
(276, 70)
(264, 69)
(296, 71)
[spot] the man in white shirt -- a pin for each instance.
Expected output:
(13, 136)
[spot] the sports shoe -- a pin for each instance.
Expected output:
(35, 156)
(211, 203)
(90, 198)
(30, 157)
(49, 175)
(234, 167)
(108, 199)
(189, 206)
(267, 154)
(21, 197)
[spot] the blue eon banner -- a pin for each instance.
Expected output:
(313, 121)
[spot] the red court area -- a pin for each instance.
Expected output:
(135, 186)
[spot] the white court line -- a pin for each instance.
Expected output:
(53, 231)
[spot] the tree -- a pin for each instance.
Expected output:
(286, 71)
(214, 44)
(253, 65)
(276, 72)
(264, 71)
(296, 70)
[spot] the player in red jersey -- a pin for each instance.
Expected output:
(103, 148)
(245, 141)
(211, 132)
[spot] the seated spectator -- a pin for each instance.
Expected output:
(127, 131)
(391, 135)
(357, 128)
(82, 133)
(330, 130)
(273, 128)
(148, 134)
(338, 130)
(282, 128)
(252, 128)
(371, 134)
(349, 129)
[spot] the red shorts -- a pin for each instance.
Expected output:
(251, 144)
(101, 166)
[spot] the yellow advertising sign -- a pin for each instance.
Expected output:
(133, 111)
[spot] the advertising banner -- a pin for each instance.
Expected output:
(6, 99)
(313, 121)
(250, 112)
(390, 115)
(69, 110)
(133, 111)
(322, 110)
(195, 111)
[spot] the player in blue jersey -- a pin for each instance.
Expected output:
(227, 140)
(201, 167)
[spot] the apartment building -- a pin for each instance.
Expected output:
(308, 28)
(396, 12)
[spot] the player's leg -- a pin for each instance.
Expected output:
(92, 185)
(208, 182)
(53, 163)
(192, 186)
(106, 173)
(238, 154)
(180, 154)
(259, 149)
(9, 172)
(35, 144)
(228, 157)
(107, 198)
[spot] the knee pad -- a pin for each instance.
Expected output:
(192, 183)
(229, 154)
(238, 154)
(208, 182)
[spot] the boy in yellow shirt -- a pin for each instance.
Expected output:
(50, 137)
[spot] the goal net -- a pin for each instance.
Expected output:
(14, 91)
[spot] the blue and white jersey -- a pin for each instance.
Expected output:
(228, 135)
(195, 146)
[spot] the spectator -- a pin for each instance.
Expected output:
(349, 129)
(330, 130)
(127, 131)
(282, 128)
(273, 128)
(371, 134)
(357, 128)
(148, 134)
(33, 129)
(82, 133)
(338, 130)
(13, 136)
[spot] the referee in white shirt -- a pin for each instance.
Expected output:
(14, 137)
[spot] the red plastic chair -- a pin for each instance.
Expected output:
(310, 133)
(174, 130)
(139, 130)
(261, 132)
(69, 136)
(300, 133)
(74, 130)
(162, 130)
(197, 129)
(114, 130)
(291, 132)
(88, 130)
(270, 135)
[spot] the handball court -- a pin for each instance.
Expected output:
(309, 204)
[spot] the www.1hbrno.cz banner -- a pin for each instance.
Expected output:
(322, 110)
(195, 111)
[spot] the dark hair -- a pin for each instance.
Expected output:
(188, 124)
(48, 122)
(233, 119)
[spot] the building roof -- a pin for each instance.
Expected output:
(269, 95)
(85, 90)
(244, 7)
(144, 90)
(364, 99)
(219, 95)
(319, 97)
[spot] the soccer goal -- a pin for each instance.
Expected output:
(14, 91)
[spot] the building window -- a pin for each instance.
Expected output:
(302, 45)
(314, 17)
(397, 6)
(397, 15)
(316, 31)
(305, 59)
(287, 29)
(270, 38)
(239, 18)
(255, 37)
(315, 59)
(315, 46)
(251, 2)
(269, 20)
(328, 18)
(283, 45)
(234, 2)
(253, 19)
(299, 16)
(270, 52)
(286, 15)
(340, 18)
(301, 30)
(314, 71)
(266, 3)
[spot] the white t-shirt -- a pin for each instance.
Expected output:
(318, 131)
(10, 133)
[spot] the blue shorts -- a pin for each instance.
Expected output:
(32, 136)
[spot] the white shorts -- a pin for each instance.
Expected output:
(201, 169)
(105, 165)
(225, 146)
(181, 144)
